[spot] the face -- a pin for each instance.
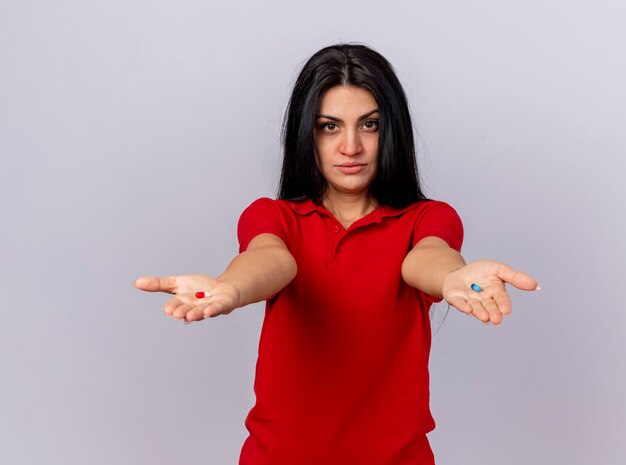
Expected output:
(346, 140)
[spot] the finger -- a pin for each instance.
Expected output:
(502, 300)
(460, 304)
(154, 284)
(214, 308)
(172, 305)
(517, 278)
(180, 312)
(479, 311)
(495, 316)
(195, 314)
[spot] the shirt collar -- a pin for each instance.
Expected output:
(307, 206)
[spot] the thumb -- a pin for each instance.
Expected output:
(154, 284)
(517, 278)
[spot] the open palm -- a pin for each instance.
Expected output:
(221, 298)
(492, 303)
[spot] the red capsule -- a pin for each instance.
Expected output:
(200, 295)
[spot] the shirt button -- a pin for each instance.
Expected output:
(340, 248)
(336, 229)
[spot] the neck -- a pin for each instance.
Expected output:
(348, 208)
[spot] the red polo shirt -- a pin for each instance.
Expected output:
(342, 371)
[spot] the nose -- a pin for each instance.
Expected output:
(351, 143)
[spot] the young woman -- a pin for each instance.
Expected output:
(349, 259)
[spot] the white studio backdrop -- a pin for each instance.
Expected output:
(133, 134)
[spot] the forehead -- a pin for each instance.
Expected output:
(347, 100)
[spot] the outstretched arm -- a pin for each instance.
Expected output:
(254, 275)
(440, 271)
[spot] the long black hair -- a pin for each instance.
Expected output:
(397, 181)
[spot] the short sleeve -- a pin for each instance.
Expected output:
(440, 220)
(261, 216)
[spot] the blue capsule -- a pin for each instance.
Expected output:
(476, 288)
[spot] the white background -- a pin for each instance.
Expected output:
(133, 134)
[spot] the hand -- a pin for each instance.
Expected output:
(492, 303)
(222, 298)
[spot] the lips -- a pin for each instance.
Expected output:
(351, 168)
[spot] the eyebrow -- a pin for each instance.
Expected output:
(334, 118)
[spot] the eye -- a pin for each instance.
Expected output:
(371, 124)
(329, 126)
